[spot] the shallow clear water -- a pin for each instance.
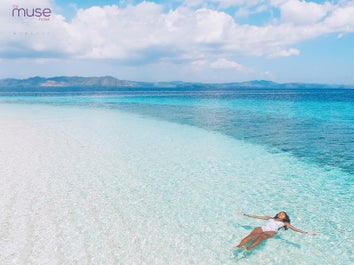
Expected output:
(159, 180)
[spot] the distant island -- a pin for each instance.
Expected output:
(109, 83)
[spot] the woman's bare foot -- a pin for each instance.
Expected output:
(244, 248)
(241, 246)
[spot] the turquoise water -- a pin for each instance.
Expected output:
(172, 170)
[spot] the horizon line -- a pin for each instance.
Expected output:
(181, 81)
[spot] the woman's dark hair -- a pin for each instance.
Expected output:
(286, 219)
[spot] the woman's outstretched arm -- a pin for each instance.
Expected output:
(255, 216)
(299, 230)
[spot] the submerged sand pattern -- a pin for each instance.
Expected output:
(50, 214)
(72, 194)
(98, 186)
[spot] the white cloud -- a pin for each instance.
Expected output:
(341, 20)
(245, 11)
(211, 25)
(302, 12)
(284, 53)
(230, 3)
(226, 64)
(145, 32)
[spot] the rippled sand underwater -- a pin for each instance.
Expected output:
(85, 185)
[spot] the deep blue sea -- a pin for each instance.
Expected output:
(196, 158)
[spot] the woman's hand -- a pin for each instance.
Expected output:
(311, 233)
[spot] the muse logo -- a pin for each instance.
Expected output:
(40, 13)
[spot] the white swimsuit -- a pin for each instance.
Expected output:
(272, 225)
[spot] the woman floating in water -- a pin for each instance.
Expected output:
(271, 227)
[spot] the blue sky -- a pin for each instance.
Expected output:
(186, 40)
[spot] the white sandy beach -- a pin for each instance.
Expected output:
(96, 186)
(52, 210)
(73, 194)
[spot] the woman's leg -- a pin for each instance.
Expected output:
(260, 238)
(256, 232)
